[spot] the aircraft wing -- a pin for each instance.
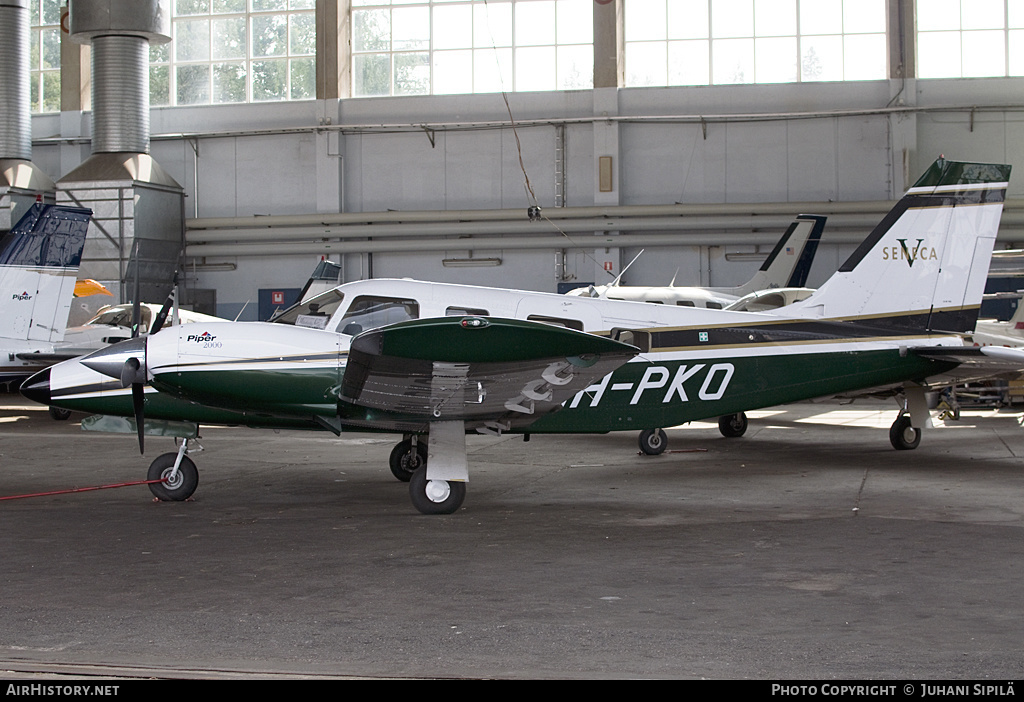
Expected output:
(480, 370)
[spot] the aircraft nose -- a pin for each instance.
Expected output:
(37, 387)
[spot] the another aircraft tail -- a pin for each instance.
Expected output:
(789, 263)
(39, 261)
(923, 267)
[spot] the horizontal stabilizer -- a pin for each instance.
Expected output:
(994, 358)
(475, 368)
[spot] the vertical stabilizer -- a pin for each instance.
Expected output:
(789, 263)
(39, 261)
(923, 268)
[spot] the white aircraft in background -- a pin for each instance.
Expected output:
(39, 261)
(113, 323)
(787, 266)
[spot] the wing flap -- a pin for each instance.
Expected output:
(475, 368)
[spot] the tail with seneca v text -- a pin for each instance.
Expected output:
(923, 268)
(39, 261)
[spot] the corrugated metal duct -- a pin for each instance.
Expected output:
(15, 108)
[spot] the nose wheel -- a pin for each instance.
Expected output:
(178, 485)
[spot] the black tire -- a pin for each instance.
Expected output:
(733, 426)
(59, 413)
(404, 461)
(902, 436)
(446, 498)
(185, 481)
(652, 442)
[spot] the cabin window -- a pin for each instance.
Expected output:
(714, 305)
(640, 339)
(557, 321)
(466, 312)
(370, 312)
(685, 303)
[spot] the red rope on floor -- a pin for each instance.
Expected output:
(85, 489)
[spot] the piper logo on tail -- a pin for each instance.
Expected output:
(22, 297)
(910, 254)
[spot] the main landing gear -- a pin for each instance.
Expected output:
(439, 488)
(178, 474)
(407, 457)
(654, 441)
(902, 435)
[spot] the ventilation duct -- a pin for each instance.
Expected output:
(15, 118)
(138, 222)
(21, 182)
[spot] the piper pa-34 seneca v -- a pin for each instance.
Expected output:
(435, 362)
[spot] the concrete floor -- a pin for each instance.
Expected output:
(808, 549)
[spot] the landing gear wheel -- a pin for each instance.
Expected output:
(59, 414)
(435, 496)
(405, 461)
(902, 436)
(178, 488)
(733, 425)
(653, 442)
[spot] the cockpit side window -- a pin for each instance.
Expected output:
(370, 311)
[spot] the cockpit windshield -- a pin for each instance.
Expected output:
(313, 313)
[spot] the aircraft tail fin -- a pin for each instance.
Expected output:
(924, 266)
(39, 261)
(789, 263)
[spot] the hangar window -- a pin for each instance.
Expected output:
(227, 51)
(44, 55)
(976, 39)
(716, 42)
(435, 47)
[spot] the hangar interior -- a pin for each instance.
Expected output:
(701, 178)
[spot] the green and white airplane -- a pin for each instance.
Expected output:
(436, 361)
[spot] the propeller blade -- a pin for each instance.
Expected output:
(158, 323)
(136, 305)
(130, 372)
(137, 404)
